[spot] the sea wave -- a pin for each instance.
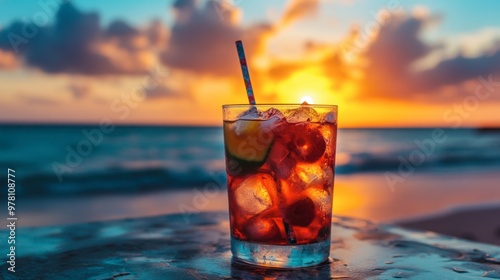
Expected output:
(133, 179)
(133, 159)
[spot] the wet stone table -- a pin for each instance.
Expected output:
(167, 247)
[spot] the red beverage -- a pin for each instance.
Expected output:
(280, 168)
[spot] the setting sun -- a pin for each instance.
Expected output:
(307, 99)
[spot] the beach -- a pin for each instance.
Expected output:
(479, 224)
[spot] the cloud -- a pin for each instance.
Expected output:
(77, 44)
(163, 91)
(389, 56)
(202, 42)
(157, 34)
(398, 46)
(8, 60)
(80, 90)
(121, 29)
(383, 68)
(298, 9)
(36, 100)
(184, 5)
(457, 70)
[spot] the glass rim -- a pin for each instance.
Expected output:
(226, 106)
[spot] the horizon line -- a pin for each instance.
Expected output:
(31, 124)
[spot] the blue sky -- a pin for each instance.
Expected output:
(461, 16)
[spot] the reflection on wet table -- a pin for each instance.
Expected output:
(196, 246)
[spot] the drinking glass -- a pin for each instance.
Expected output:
(280, 162)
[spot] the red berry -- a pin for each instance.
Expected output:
(308, 144)
(301, 213)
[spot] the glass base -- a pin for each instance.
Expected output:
(282, 256)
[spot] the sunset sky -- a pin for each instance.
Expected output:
(386, 63)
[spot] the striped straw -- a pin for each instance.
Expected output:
(251, 98)
(244, 71)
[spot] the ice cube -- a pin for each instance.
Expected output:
(251, 114)
(280, 160)
(278, 152)
(269, 124)
(292, 186)
(251, 118)
(329, 118)
(285, 168)
(328, 176)
(314, 174)
(256, 194)
(272, 113)
(262, 229)
(241, 126)
(304, 113)
(309, 173)
(320, 198)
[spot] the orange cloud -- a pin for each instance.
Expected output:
(8, 60)
(202, 39)
(298, 9)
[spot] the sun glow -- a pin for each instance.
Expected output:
(305, 85)
(306, 98)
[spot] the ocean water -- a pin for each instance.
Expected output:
(55, 160)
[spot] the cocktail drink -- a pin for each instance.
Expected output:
(280, 169)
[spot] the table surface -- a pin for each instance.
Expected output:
(196, 246)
